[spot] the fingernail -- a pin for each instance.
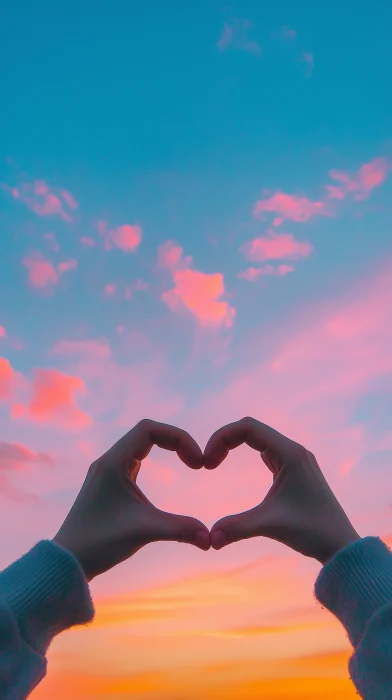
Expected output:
(202, 539)
(219, 539)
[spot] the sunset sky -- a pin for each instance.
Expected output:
(195, 219)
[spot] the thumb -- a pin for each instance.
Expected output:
(168, 527)
(264, 520)
(234, 528)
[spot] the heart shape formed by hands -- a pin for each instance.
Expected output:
(112, 518)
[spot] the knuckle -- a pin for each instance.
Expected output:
(145, 423)
(98, 464)
(299, 450)
(248, 422)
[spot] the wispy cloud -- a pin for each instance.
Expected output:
(253, 273)
(276, 246)
(67, 265)
(299, 208)
(52, 241)
(235, 36)
(43, 200)
(360, 184)
(87, 241)
(307, 59)
(96, 348)
(17, 456)
(286, 33)
(289, 206)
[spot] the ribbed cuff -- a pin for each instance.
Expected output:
(47, 591)
(356, 583)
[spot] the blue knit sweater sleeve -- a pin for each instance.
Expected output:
(41, 594)
(45, 592)
(356, 586)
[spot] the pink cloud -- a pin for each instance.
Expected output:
(308, 59)
(109, 290)
(287, 33)
(359, 185)
(113, 386)
(170, 255)
(16, 456)
(138, 286)
(94, 348)
(43, 201)
(7, 379)
(3, 332)
(126, 237)
(290, 206)
(253, 273)
(284, 269)
(235, 35)
(300, 208)
(200, 293)
(41, 272)
(53, 400)
(87, 241)
(275, 246)
(67, 265)
(225, 38)
(121, 292)
(52, 240)
(69, 199)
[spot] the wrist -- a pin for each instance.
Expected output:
(62, 543)
(333, 548)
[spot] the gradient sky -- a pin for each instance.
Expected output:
(195, 213)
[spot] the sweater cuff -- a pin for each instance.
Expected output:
(47, 591)
(356, 583)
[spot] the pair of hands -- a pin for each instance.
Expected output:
(112, 519)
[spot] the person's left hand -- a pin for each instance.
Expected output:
(112, 519)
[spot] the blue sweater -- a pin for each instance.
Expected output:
(45, 592)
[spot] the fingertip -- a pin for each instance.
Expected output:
(202, 540)
(191, 455)
(218, 539)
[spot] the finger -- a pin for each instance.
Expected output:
(234, 528)
(138, 442)
(247, 430)
(168, 527)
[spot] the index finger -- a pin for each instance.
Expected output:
(247, 430)
(138, 442)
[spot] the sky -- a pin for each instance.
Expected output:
(195, 218)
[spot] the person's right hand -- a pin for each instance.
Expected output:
(299, 510)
